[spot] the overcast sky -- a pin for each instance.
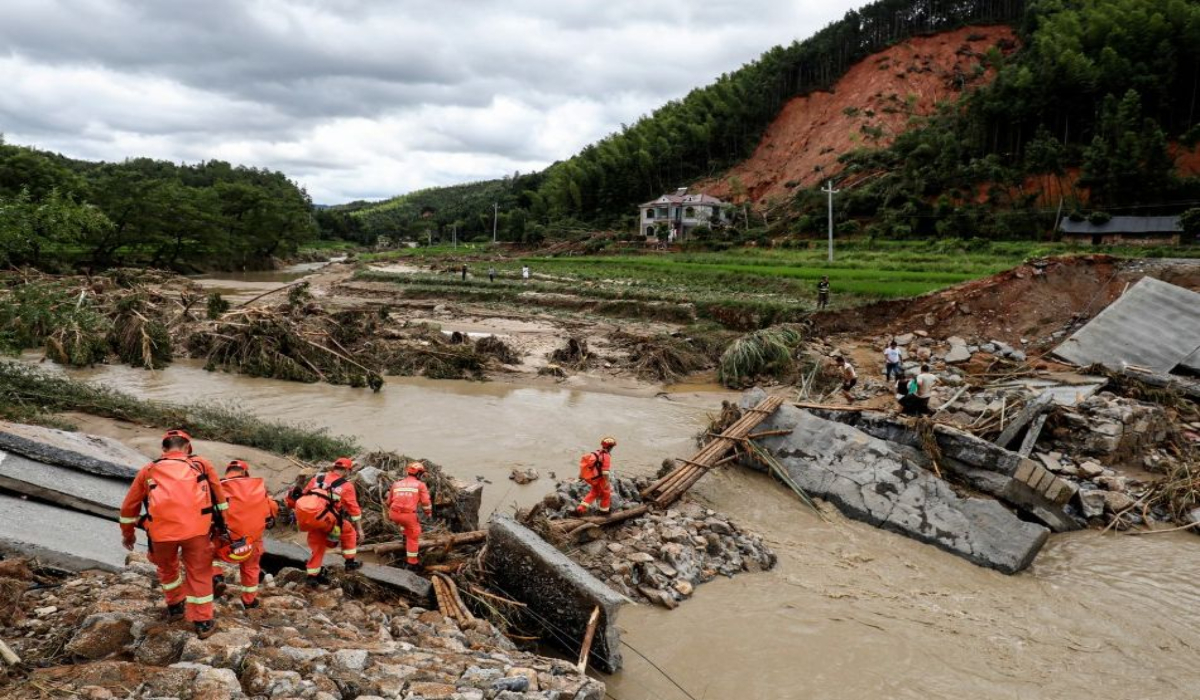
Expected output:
(360, 99)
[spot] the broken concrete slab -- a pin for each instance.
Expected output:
(282, 553)
(871, 480)
(1032, 435)
(1154, 325)
(91, 453)
(1032, 410)
(530, 570)
(71, 488)
(63, 539)
(983, 465)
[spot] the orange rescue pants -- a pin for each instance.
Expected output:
(319, 541)
(191, 583)
(599, 488)
(411, 525)
(248, 572)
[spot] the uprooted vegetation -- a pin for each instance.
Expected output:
(82, 321)
(667, 357)
(31, 395)
(769, 353)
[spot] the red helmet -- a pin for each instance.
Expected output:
(416, 469)
(608, 442)
(343, 463)
(237, 464)
(176, 434)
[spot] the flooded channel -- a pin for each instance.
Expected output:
(851, 612)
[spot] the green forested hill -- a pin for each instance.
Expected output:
(60, 212)
(1094, 98)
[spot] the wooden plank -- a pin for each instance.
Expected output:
(587, 639)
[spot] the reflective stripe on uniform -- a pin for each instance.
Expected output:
(411, 555)
(313, 572)
(222, 506)
(249, 589)
(405, 489)
(199, 601)
(355, 518)
(128, 521)
(174, 584)
(349, 552)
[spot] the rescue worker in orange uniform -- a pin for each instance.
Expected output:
(594, 468)
(183, 503)
(251, 512)
(403, 498)
(342, 524)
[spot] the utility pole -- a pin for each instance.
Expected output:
(830, 191)
(495, 217)
(454, 233)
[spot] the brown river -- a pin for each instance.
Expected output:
(851, 612)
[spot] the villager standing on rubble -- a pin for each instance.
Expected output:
(891, 361)
(464, 273)
(327, 509)
(594, 468)
(926, 380)
(251, 512)
(848, 375)
(525, 273)
(906, 396)
(492, 273)
(403, 499)
(823, 292)
(184, 504)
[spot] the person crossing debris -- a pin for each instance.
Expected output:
(251, 512)
(322, 509)
(892, 356)
(594, 468)
(403, 499)
(849, 377)
(183, 504)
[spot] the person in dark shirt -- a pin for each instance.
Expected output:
(823, 292)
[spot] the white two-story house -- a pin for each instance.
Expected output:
(681, 212)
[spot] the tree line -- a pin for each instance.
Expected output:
(59, 212)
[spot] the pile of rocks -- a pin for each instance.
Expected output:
(1118, 430)
(662, 557)
(319, 645)
(1103, 492)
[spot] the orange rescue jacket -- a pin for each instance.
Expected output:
(249, 507)
(179, 494)
(344, 494)
(406, 494)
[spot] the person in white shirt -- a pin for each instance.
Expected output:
(925, 383)
(892, 357)
(849, 377)
(525, 272)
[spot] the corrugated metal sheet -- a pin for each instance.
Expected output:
(1155, 325)
(1124, 224)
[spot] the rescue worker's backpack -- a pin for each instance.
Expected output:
(593, 469)
(249, 507)
(178, 496)
(319, 508)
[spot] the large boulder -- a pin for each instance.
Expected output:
(877, 482)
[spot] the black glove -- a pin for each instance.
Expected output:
(297, 492)
(270, 522)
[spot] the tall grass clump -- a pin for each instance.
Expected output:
(28, 394)
(769, 352)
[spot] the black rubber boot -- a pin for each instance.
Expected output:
(174, 611)
(319, 579)
(206, 629)
(251, 605)
(353, 565)
(219, 587)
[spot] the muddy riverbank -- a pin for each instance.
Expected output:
(850, 611)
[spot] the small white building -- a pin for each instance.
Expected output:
(681, 212)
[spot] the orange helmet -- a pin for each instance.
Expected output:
(343, 463)
(416, 469)
(173, 434)
(235, 551)
(238, 464)
(608, 442)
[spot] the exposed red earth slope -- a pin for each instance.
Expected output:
(868, 107)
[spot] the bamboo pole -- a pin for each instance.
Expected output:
(588, 636)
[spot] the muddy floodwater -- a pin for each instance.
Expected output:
(850, 613)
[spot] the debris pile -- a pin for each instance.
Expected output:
(102, 635)
(662, 556)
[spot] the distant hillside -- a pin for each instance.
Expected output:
(867, 108)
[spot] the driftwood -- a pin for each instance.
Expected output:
(587, 639)
(457, 539)
(449, 601)
(668, 489)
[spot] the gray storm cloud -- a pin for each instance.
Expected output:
(362, 100)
